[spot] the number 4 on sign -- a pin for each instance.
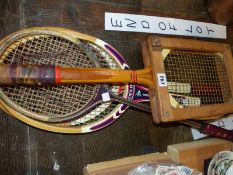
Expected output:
(162, 80)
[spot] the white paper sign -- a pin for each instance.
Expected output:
(162, 25)
(226, 123)
(162, 80)
(105, 97)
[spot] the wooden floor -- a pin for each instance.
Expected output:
(26, 150)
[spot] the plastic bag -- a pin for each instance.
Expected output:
(159, 168)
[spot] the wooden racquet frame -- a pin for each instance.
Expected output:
(71, 127)
(155, 49)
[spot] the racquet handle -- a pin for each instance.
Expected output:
(216, 131)
(12, 74)
(210, 129)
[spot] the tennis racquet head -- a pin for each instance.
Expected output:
(36, 106)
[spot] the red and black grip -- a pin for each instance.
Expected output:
(216, 131)
(29, 74)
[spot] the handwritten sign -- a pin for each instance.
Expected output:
(162, 25)
(162, 79)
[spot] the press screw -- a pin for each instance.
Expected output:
(155, 42)
(166, 114)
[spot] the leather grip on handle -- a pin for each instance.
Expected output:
(46, 75)
(11, 74)
(217, 131)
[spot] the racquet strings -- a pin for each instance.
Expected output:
(58, 100)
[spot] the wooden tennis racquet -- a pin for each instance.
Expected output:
(37, 106)
(72, 105)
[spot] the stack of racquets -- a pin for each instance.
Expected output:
(54, 79)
